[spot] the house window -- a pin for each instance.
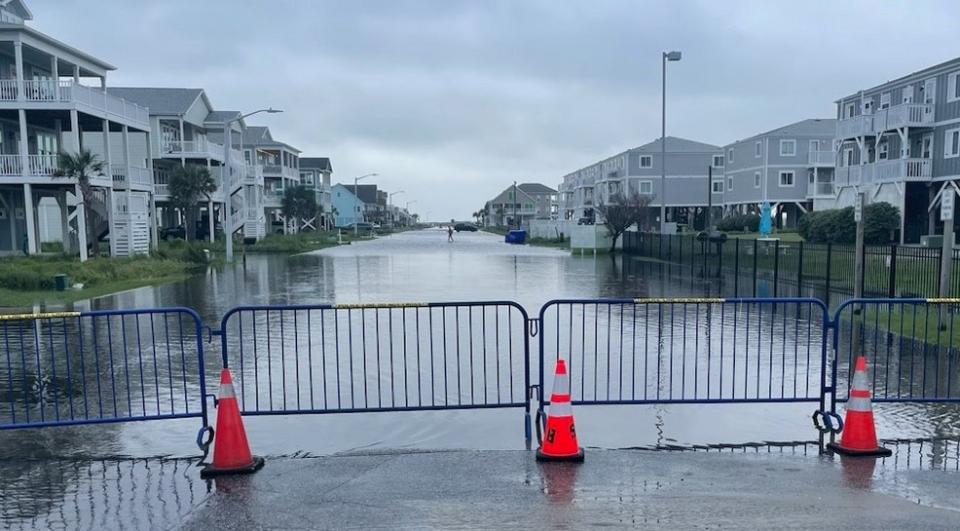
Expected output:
(646, 161)
(646, 187)
(718, 186)
(788, 147)
(730, 155)
(951, 143)
(953, 86)
(907, 94)
(851, 110)
(786, 178)
(885, 100)
(926, 149)
(929, 90)
(756, 180)
(718, 161)
(884, 151)
(758, 149)
(729, 184)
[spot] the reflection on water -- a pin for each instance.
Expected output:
(422, 266)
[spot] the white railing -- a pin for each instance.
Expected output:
(902, 169)
(139, 176)
(904, 115)
(10, 165)
(42, 164)
(848, 175)
(161, 189)
(200, 148)
(9, 18)
(822, 158)
(101, 101)
(253, 175)
(823, 189)
(854, 127)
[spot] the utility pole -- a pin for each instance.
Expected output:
(858, 208)
(515, 204)
(709, 217)
(858, 217)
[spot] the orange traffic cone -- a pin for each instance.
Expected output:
(859, 437)
(231, 452)
(560, 440)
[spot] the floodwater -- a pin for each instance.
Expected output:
(400, 358)
(328, 360)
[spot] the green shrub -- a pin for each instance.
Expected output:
(880, 221)
(838, 226)
(737, 222)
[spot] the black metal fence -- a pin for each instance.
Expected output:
(796, 268)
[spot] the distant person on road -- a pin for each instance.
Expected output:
(450, 234)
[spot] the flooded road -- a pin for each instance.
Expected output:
(112, 475)
(421, 266)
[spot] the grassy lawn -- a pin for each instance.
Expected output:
(25, 281)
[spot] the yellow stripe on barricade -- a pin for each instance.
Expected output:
(380, 305)
(35, 316)
(680, 300)
(944, 300)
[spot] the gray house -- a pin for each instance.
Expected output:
(519, 204)
(315, 172)
(280, 165)
(639, 170)
(53, 98)
(791, 167)
(899, 142)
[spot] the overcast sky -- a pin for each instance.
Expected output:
(452, 101)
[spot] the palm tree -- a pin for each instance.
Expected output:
(187, 185)
(81, 166)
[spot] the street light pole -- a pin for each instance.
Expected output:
(667, 56)
(356, 193)
(225, 170)
(390, 203)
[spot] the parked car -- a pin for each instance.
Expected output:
(201, 231)
(585, 221)
(175, 232)
(468, 227)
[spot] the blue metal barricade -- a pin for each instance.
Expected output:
(911, 347)
(686, 350)
(346, 358)
(72, 368)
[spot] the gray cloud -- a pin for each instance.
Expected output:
(453, 100)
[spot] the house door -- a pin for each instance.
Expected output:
(926, 147)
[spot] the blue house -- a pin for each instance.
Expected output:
(347, 208)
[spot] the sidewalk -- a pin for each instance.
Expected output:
(617, 488)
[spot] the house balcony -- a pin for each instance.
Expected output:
(885, 171)
(822, 158)
(904, 115)
(276, 170)
(41, 94)
(137, 178)
(891, 118)
(253, 175)
(272, 198)
(822, 189)
(854, 127)
(192, 149)
(897, 170)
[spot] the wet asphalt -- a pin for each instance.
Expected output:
(618, 489)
